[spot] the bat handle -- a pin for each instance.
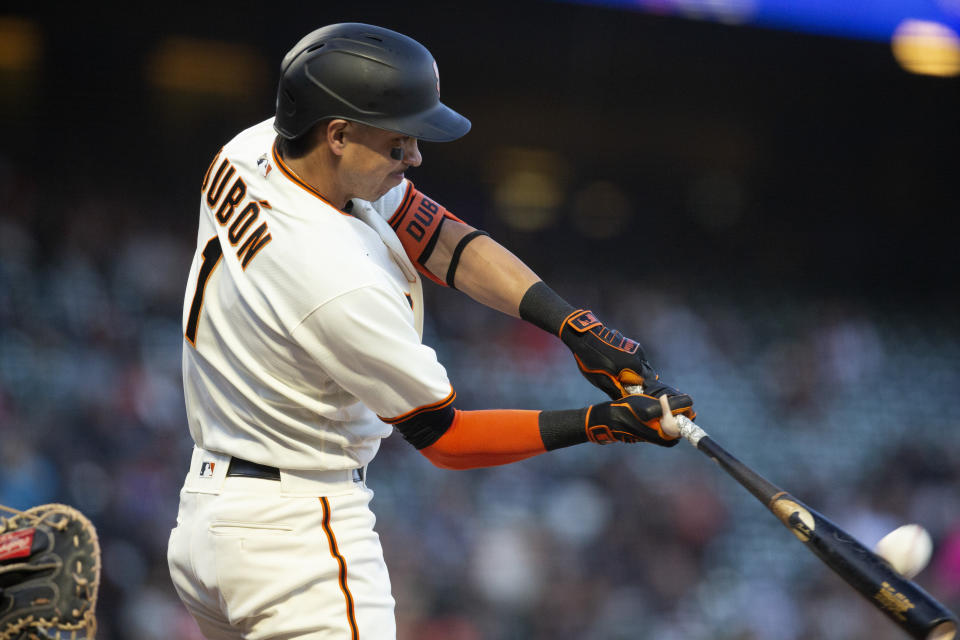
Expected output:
(688, 429)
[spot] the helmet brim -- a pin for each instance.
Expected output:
(439, 123)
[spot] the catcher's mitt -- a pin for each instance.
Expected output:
(49, 574)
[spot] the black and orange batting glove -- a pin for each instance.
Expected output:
(630, 419)
(607, 359)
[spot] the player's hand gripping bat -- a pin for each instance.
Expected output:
(903, 601)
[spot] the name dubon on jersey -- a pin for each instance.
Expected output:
(300, 327)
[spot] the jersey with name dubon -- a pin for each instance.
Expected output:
(299, 326)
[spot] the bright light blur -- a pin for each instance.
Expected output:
(199, 66)
(725, 11)
(20, 44)
(927, 48)
(872, 20)
(527, 187)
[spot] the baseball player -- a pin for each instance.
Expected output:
(302, 347)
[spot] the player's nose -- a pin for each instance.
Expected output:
(411, 153)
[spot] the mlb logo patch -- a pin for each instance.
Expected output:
(206, 469)
(263, 166)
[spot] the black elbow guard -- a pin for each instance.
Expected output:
(424, 426)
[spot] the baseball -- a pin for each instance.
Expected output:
(907, 549)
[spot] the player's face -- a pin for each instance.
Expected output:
(368, 165)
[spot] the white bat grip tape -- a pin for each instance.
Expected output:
(689, 430)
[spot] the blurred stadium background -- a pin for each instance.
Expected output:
(759, 190)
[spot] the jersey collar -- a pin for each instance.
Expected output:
(293, 177)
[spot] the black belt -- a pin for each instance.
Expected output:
(239, 467)
(246, 469)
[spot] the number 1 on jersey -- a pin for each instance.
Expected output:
(211, 258)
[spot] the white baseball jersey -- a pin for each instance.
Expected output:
(301, 324)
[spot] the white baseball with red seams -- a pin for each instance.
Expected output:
(907, 549)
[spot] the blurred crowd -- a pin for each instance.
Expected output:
(849, 403)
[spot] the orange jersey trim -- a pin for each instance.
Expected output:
(288, 172)
(487, 438)
(439, 404)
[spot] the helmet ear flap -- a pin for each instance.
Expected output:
(286, 103)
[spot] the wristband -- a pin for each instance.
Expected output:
(563, 428)
(542, 307)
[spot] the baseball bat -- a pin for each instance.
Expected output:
(903, 601)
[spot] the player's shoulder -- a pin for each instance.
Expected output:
(244, 157)
(256, 134)
(249, 145)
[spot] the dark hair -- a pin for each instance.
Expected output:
(303, 144)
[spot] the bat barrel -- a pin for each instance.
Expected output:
(900, 599)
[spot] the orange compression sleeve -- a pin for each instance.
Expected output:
(487, 438)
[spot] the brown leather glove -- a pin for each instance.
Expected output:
(49, 573)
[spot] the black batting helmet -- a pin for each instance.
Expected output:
(366, 74)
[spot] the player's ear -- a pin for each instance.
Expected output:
(335, 135)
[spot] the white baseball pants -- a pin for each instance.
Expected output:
(295, 559)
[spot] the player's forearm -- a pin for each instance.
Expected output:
(494, 437)
(493, 276)
(454, 439)
(486, 438)
(481, 268)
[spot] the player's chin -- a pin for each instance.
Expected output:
(392, 180)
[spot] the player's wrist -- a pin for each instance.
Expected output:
(541, 306)
(564, 428)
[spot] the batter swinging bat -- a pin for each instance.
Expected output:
(903, 601)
